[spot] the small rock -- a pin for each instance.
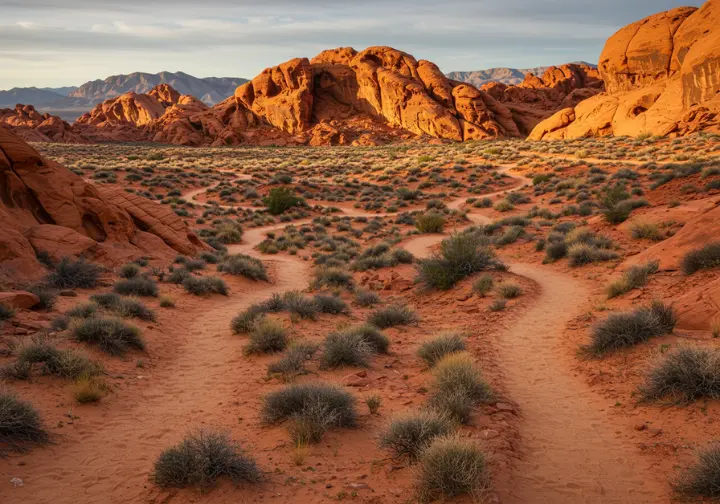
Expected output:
(356, 486)
(16, 482)
(67, 293)
(641, 427)
(489, 434)
(504, 407)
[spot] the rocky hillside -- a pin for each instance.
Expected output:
(46, 208)
(341, 96)
(509, 76)
(661, 75)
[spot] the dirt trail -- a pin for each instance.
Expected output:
(573, 450)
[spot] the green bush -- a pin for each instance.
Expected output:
(111, 335)
(203, 457)
(459, 256)
(451, 466)
(433, 351)
(244, 265)
(392, 316)
(69, 274)
(281, 199)
(702, 258)
(20, 424)
(620, 330)
(410, 433)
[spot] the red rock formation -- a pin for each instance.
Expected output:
(46, 207)
(33, 126)
(662, 76)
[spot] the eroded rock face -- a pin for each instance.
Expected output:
(45, 207)
(33, 126)
(661, 75)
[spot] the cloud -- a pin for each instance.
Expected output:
(240, 37)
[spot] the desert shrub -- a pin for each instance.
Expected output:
(702, 258)
(82, 310)
(555, 250)
(123, 307)
(267, 336)
(20, 424)
(310, 424)
(69, 274)
(365, 297)
(202, 286)
(702, 479)
(509, 290)
(63, 363)
(430, 222)
(433, 351)
(246, 320)
(327, 303)
(89, 389)
(375, 338)
(112, 335)
(345, 348)
(293, 361)
(497, 305)
(229, 232)
(244, 265)
(301, 305)
(504, 205)
(281, 199)
(408, 434)
(6, 312)
(646, 230)
(46, 295)
(625, 329)
(293, 399)
(459, 256)
(331, 277)
(483, 285)
(451, 466)
(129, 270)
(195, 265)
(138, 286)
(459, 385)
(178, 276)
(688, 373)
(635, 277)
(392, 316)
(203, 457)
(167, 302)
(580, 254)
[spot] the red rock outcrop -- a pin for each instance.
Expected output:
(33, 126)
(661, 75)
(46, 207)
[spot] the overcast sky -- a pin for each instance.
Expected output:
(67, 42)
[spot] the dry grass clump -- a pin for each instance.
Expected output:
(204, 286)
(329, 303)
(646, 231)
(267, 336)
(688, 373)
(89, 389)
(246, 320)
(702, 479)
(435, 350)
(483, 285)
(620, 330)
(69, 274)
(391, 316)
(634, 278)
(244, 265)
(333, 277)
(459, 386)
(409, 433)
(452, 466)
(702, 258)
(136, 286)
(293, 361)
(111, 335)
(345, 348)
(123, 307)
(20, 424)
(201, 459)
(366, 298)
(509, 290)
(430, 222)
(39, 349)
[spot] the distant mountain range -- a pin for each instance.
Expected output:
(509, 76)
(71, 102)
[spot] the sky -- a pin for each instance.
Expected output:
(53, 43)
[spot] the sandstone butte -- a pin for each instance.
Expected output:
(44, 207)
(661, 75)
(339, 97)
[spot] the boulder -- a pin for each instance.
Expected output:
(20, 300)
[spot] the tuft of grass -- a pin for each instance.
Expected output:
(391, 316)
(688, 373)
(345, 348)
(20, 424)
(634, 278)
(459, 256)
(204, 286)
(452, 466)
(268, 336)
(167, 302)
(430, 222)
(46, 295)
(111, 335)
(89, 389)
(646, 231)
(409, 434)
(123, 307)
(483, 285)
(328, 303)
(621, 330)
(129, 270)
(702, 258)
(702, 479)
(435, 350)
(497, 305)
(301, 305)
(580, 254)
(244, 265)
(246, 320)
(294, 399)
(293, 361)
(459, 386)
(69, 274)
(373, 403)
(137, 286)
(201, 459)
(509, 290)
(366, 298)
(333, 277)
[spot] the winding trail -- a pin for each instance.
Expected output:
(573, 452)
